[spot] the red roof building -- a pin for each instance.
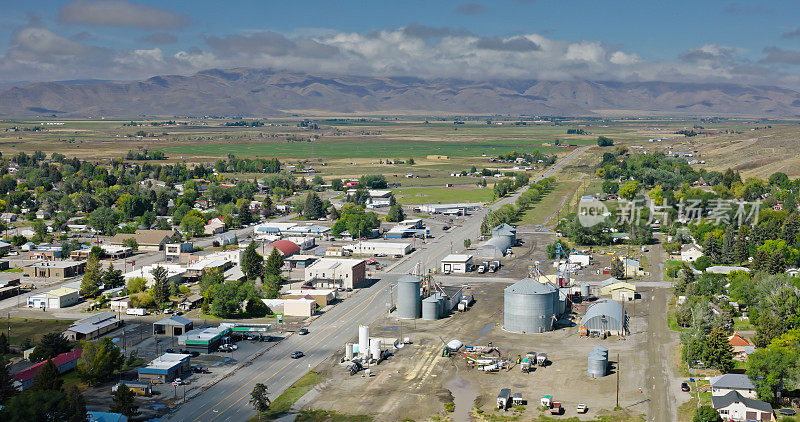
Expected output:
(285, 247)
(64, 362)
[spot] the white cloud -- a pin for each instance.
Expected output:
(117, 13)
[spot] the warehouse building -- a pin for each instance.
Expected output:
(165, 368)
(457, 264)
(61, 297)
(93, 327)
(344, 273)
(503, 238)
(378, 248)
(323, 297)
(64, 362)
(148, 240)
(618, 290)
(285, 247)
(172, 326)
(175, 273)
(205, 340)
(605, 316)
(300, 307)
(54, 269)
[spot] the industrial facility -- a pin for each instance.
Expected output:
(604, 317)
(597, 362)
(420, 297)
(530, 307)
(503, 238)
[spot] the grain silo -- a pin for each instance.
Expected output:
(530, 306)
(409, 301)
(586, 291)
(430, 308)
(597, 362)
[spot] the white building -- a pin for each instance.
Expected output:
(580, 259)
(457, 263)
(690, 253)
(724, 384)
(346, 273)
(55, 299)
(301, 307)
(304, 242)
(385, 248)
(735, 407)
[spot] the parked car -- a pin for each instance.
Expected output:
(297, 354)
(303, 331)
(685, 387)
(582, 408)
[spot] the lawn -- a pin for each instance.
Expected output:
(540, 211)
(434, 195)
(313, 415)
(284, 402)
(22, 328)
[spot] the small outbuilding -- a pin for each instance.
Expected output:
(605, 316)
(172, 326)
(457, 263)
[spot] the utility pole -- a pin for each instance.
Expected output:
(618, 369)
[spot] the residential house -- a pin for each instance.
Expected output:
(215, 226)
(724, 384)
(690, 253)
(148, 240)
(740, 346)
(733, 406)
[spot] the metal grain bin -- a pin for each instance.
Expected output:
(586, 290)
(529, 306)
(430, 308)
(409, 301)
(597, 362)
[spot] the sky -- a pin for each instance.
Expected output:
(749, 42)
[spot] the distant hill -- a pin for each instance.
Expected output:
(255, 92)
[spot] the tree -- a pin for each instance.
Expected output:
(160, 287)
(48, 378)
(113, 278)
(39, 406)
(772, 367)
(355, 220)
(467, 243)
(256, 308)
(4, 347)
(741, 247)
(604, 141)
(617, 269)
(99, 360)
(336, 184)
(252, 262)
(7, 389)
(790, 228)
(39, 227)
(629, 190)
(711, 249)
(50, 346)
(124, 401)
(131, 243)
(192, 225)
(313, 207)
(396, 213)
(706, 413)
(104, 219)
(259, 398)
(728, 253)
(76, 404)
(211, 278)
(373, 181)
(136, 285)
(227, 301)
(272, 286)
(718, 352)
(245, 217)
(92, 276)
(610, 187)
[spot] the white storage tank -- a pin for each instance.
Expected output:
(363, 339)
(348, 351)
(375, 348)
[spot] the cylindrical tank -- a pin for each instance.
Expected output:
(597, 362)
(440, 306)
(363, 339)
(586, 290)
(348, 351)
(529, 306)
(409, 302)
(430, 308)
(375, 348)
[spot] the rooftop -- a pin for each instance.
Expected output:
(529, 286)
(720, 402)
(457, 258)
(331, 263)
(732, 381)
(174, 320)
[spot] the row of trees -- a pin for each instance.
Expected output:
(509, 213)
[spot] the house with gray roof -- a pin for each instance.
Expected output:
(723, 384)
(735, 407)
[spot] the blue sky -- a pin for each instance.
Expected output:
(748, 41)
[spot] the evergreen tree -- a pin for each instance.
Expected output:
(334, 213)
(90, 285)
(718, 353)
(617, 269)
(267, 207)
(728, 246)
(76, 404)
(790, 228)
(760, 261)
(776, 263)
(272, 286)
(39, 406)
(706, 413)
(112, 278)
(160, 287)
(48, 378)
(7, 389)
(124, 401)
(4, 347)
(245, 217)
(741, 247)
(313, 208)
(252, 262)
(396, 213)
(274, 263)
(712, 250)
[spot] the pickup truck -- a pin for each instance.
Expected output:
(483, 267)
(556, 409)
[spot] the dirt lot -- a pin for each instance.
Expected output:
(417, 381)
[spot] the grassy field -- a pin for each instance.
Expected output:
(284, 402)
(432, 195)
(313, 415)
(545, 208)
(34, 329)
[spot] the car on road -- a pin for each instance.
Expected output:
(178, 380)
(787, 412)
(303, 331)
(380, 255)
(297, 354)
(685, 387)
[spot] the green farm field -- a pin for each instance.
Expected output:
(430, 195)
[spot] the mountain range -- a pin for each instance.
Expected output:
(258, 92)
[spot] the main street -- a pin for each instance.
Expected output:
(228, 400)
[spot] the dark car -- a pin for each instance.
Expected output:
(303, 331)
(685, 387)
(297, 354)
(787, 412)
(169, 351)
